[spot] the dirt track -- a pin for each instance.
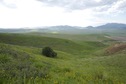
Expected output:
(118, 38)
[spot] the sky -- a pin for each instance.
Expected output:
(39, 13)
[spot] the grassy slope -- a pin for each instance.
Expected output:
(27, 65)
(39, 41)
(78, 38)
(56, 43)
(24, 64)
(74, 37)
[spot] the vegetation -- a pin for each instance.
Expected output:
(41, 42)
(17, 65)
(83, 62)
(47, 51)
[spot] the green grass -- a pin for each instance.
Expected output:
(21, 62)
(74, 37)
(39, 41)
(55, 43)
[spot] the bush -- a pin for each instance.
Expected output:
(47, 51)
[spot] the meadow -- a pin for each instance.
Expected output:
(81, 59)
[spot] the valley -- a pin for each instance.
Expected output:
(81, 58)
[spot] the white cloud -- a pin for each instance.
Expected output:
(98, 1)
(78, 5)
(31, 13)
(118, 6)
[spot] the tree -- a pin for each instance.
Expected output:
(47, 51)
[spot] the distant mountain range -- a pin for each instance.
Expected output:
(69, 29)
(112, 26)
(106, 26)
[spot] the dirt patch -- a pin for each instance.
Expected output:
(119, 38)
(115, 48)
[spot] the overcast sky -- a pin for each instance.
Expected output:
(37, 13)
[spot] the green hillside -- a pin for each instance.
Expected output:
(21, 62)
(39, 41)
(74, 37)
(56, 43)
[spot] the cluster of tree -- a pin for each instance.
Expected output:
(48, 52)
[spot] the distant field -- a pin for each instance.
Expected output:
(40, 41)
(74, 37)
(81, 59)
(72, 46)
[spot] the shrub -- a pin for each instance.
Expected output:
(47, 51)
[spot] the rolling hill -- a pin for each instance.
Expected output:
(39, 41)
(21, 61)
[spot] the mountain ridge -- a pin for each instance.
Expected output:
(67, 28)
